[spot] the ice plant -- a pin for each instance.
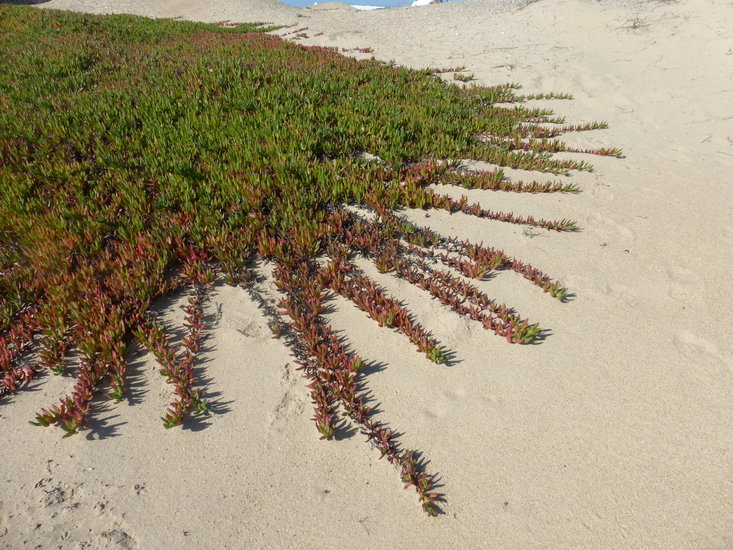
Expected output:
(141, 157)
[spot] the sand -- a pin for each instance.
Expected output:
(614, 432)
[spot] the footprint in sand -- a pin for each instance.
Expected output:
(701, 351)
(449, 400)
(622, 294)
(615, 229)
(602, 191)
(292, 402)
(242, 323)
(686, 286)
(684, 276)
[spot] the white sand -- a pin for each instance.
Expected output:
(614, 432)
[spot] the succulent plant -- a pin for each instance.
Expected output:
(142, 157)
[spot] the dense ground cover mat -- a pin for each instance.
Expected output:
(141, 157)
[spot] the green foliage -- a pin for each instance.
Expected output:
(438, 355)
(468, 77)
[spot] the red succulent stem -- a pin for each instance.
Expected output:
(347, 280)
(333, 373)
(461, 296)
(177, 362)
(13, 343)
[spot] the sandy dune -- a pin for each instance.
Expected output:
(616, 431)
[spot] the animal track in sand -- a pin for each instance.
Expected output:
(56, 493)
(62, 514)
(117, 539)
